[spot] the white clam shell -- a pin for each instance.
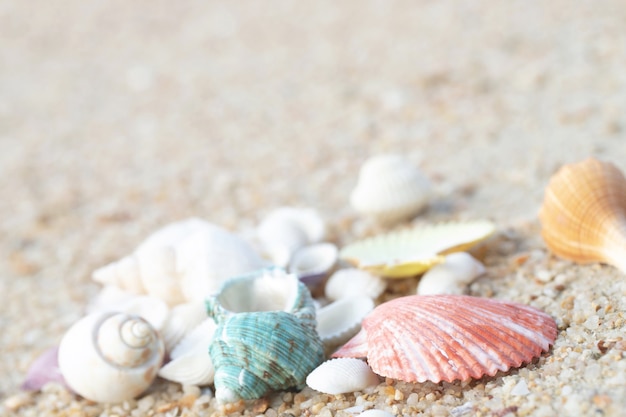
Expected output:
(390, 189)
(191, 363)
(181, 320)
(340, 320)
(286, 229)
(353, 282)
(342, 375)
(314, 262)
(376, 413)
(110, 357)
(451, 277)
(183, 261)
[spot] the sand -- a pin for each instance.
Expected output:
(119, 117)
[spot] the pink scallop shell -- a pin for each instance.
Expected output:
(448, 337)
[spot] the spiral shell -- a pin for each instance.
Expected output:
(390, 189)
(110, 357)
(184, 261)
(266, 338)
(583, 215)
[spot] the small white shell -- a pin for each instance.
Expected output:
(451, 277)
(286, 229)
(390, 189)
(339, 321)
(314, 262)
(183, 261)
(353, 282)
(343, 375)
(191, 363)
(181, 320)
(110, 357)
(376, 413)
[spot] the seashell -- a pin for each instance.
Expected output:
(110, 357)
(184, 261)
(352, 282)
(452, 276)
(390, 189)
(313, 263)
(191, 363)
(265, 338)
(583, 215)
(339, 321)
(182, 319)
(43, 370)
(286, 229)
(112, 299)
(376, 413)
(412, 251)
(342, 375)
(449, 337)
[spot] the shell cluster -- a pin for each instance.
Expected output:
(239, 314)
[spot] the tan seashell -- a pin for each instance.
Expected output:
(449, 337)
(583, 215)
(110, 357)
(390, 189)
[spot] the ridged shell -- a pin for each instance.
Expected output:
(583, 215)
(286, 229)
(353, 282)
(390, 189)
(412, 251)
(450, 337)
(190, 361)
(184, 261)
(266, 338)
(340, 320)
(342, 375)
(110, 357)
(452, 276)
(181, 320)
(313, 263)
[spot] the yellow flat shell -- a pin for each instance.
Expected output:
(413, 251)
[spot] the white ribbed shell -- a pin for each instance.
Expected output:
(343, 375)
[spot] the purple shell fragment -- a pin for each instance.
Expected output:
(43, 370)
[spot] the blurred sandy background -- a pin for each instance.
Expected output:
(118, 117)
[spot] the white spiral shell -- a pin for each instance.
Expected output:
(110, 357)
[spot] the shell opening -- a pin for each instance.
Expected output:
(270, 292)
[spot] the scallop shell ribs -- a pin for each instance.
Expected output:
(583, 215)
(449, 337)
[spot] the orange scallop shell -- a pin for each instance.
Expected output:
(583, 215)
(449, 337)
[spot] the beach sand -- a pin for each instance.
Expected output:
(117, 118)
